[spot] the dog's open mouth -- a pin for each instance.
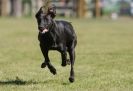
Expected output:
(43, 30)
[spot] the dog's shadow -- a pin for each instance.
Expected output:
(13, 82)
(18, 81)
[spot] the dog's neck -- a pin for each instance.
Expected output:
(53, 32)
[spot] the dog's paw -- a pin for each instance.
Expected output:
(53, 71)
(71, 79)
(63, 64)
(43, 65)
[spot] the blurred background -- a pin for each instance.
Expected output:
(69, 8)
(104, 53)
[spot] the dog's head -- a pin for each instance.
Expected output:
(45, 21)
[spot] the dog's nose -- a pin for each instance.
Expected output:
(41, 28)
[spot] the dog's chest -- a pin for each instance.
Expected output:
(48, 41)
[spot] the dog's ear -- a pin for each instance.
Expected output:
(52, 10)
(39, 12)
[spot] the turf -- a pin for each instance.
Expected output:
(104, 57)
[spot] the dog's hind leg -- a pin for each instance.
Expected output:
(65, 61)
(71, 51)
(72, 59)
(64, 58)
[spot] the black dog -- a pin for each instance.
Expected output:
(56, 35)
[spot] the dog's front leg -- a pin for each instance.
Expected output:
(47, 61)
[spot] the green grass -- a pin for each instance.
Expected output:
(104, 57)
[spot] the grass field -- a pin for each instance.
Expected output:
(104, 57)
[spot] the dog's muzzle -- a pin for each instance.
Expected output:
(43, 30)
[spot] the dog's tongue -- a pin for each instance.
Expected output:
(45, 30)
